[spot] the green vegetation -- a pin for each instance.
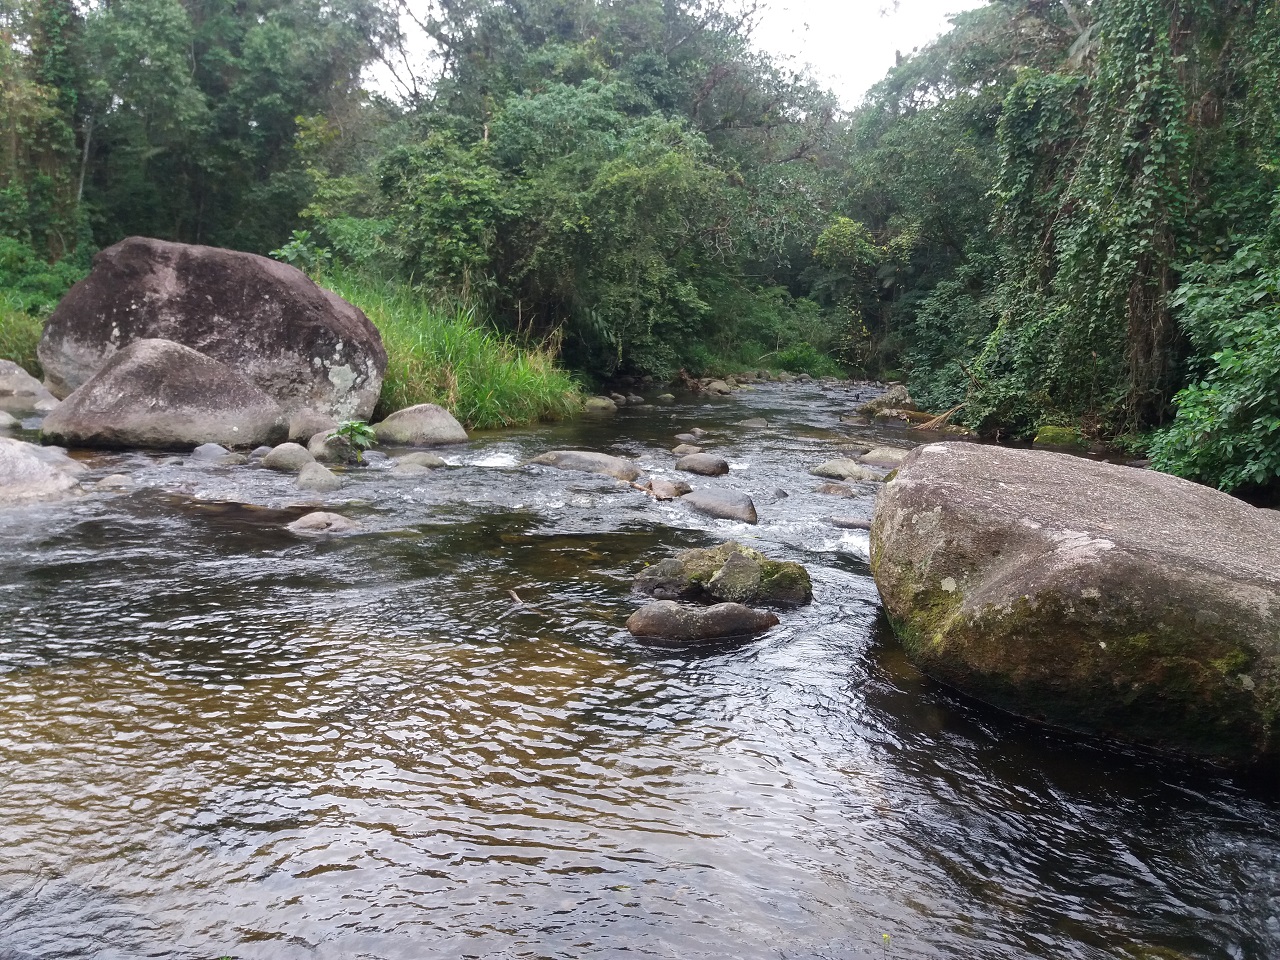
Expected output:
(19, 336)
(442, 355)
(356, 434)
(1058, 213)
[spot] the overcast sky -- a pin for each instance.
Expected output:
(850, 43)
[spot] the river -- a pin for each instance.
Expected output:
(221, 739)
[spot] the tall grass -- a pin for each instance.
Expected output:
(446, 356)
(19, 335)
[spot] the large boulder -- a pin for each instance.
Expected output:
(22, 393)
(1099, 597)
(589, 462)
(300, 344)
(29, 473)
(729, 572)
(162, 395)
(667, 620)
(423, 425)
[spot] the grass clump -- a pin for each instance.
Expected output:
(446, 356)
(19, 336)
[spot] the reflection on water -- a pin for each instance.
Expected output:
(219, 738)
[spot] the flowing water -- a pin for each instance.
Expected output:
(219, 738)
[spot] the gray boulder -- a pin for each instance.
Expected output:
(428, 461)
(723, 504)
(319, 478)
(320, 522)
(21, 393)
(423, 425)
(599, 406)
(305, 424)
(589, 462)
(884, 456)
(329, 447)
(29, 474)
(718, 388)
(845, 470)
(288, 458)
(161, 395)
(661, 489)
(728, 572)
(1123, 602)
(209, 451)
(303, 346)
(704, 464)
(684, 449)
(410, 470)
(668, 620)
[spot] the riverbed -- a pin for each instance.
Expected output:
(435, 739)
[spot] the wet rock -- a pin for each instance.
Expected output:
(884, 456)
(159, 394)
(209, 451)
(589, 462)
(667, 620)
(7, 422)
(687, 438)
(21, 393)
(423, 425)
(668, 490)
(410, 470)
(618, 399)
(305, 424)
(634, 400)
(321, 522)
(727, 572)
(755, 423)
(301, 345)
(851, 523)
(718, 388)
(29, 474)
(288, 457)
(329, 447)
(845, 470)
(115, 481)
(894, 398)
(318, 477)
(703, 464)
(723, 504)
(697, 432)
(1127, 603)
(428, 461)
(599, 406)
(684, 449)
(836, 490)
(665, 398)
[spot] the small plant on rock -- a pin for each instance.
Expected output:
(357, 434)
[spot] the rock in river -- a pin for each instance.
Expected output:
(704, 464)
(318, 477)
(22, 393)
(1122, 602)
(724, 504)
(845, 470)
(288, 458)
(29, 473)
(159, 394)
(667, 620)
(589, 462)
(423, 425)
(322, 522)
(304, 347)
(727, 572)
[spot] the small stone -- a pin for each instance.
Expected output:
(719, 388)
(318, 477)
(703, 464)
(835, 490)
(668, 620)
(684, 449)
(321, 522)
(885, 456)
(666, 398)
(114, 481)
(756, 423)
(257, 453)
(634, 400)
(722, 504)
(667, 490)
(209, 451)
(618, 399)
(686, 438)
(410, 470)
(698, 432)
(427, 460)
(599, 406)
(288, 457)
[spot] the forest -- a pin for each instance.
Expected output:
(1062, 212)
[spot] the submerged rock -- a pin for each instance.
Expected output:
(298, 343)
(704, 464)
(161, 395)
(423, 425)
(836, 490)
(661, 489)
(588, 461)
(321, 522)
(724, 504)
(727, 572)
(667, 620)
(29, 474)
(1123, 602)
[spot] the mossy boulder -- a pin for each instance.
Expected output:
(1120, 602)
(729, 572)
(1064, 438)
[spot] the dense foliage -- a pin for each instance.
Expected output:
(1058, 213)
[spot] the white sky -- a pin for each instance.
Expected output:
(850, 44)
